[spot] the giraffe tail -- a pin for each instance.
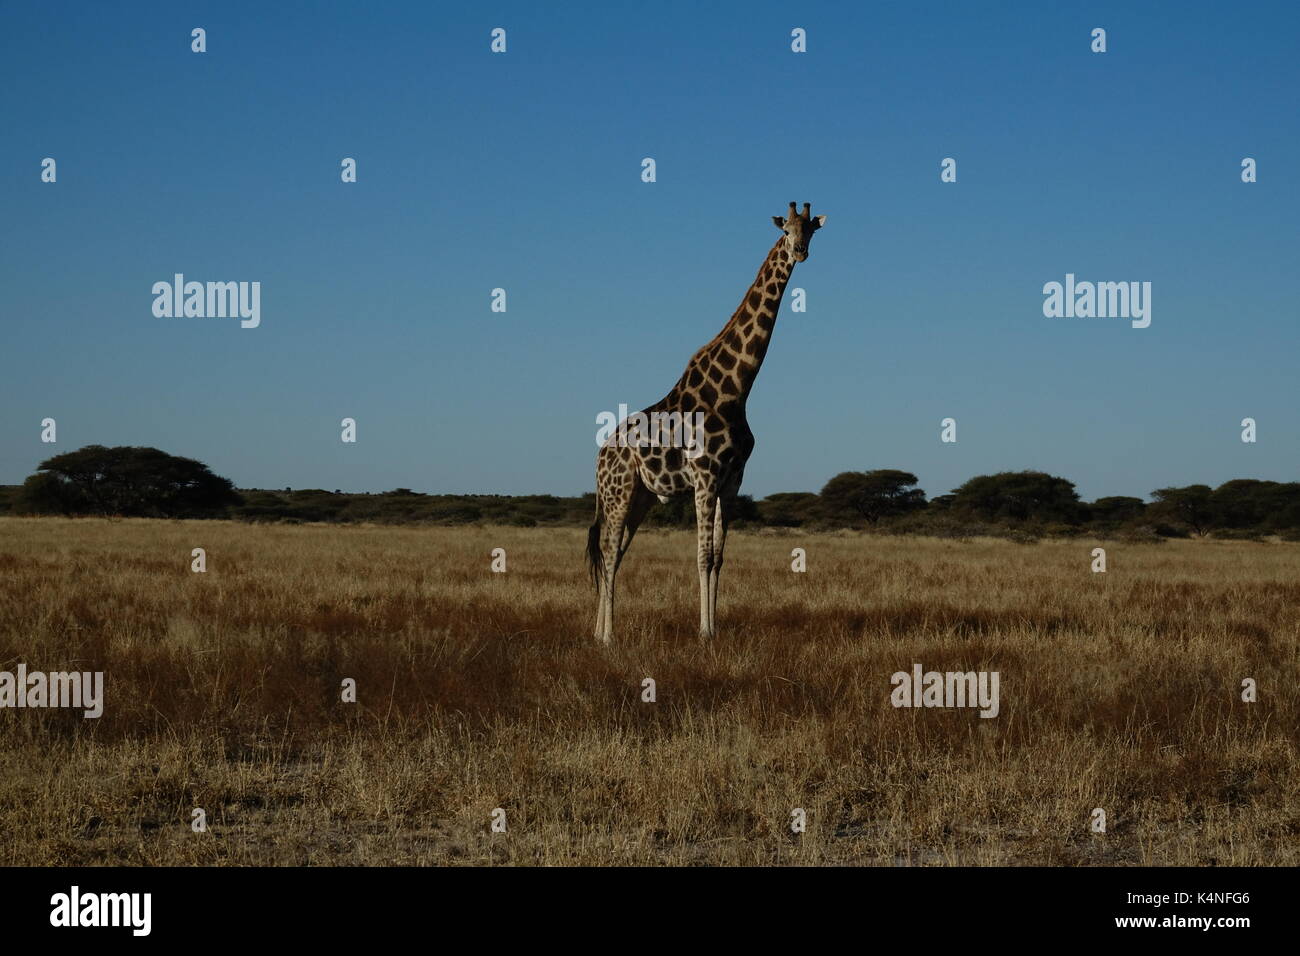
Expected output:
(595, 560)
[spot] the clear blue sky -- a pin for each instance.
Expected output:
(522, 171)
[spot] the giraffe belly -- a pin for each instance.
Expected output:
(665, 484)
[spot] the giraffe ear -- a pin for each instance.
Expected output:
(820, 220)
(780, 222)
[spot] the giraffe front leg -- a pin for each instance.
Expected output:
(706, 503)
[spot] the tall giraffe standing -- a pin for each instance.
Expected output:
(716, 383)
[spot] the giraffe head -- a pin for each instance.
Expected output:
(798, 229)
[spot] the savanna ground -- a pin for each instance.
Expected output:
(479, 690)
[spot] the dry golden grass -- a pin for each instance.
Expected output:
(481, 690)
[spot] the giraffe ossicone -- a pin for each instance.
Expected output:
(632, 476)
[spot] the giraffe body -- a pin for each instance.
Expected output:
(634, 470)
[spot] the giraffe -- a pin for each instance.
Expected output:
(710, 462)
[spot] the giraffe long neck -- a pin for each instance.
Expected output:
(749, 330)
(723, 371)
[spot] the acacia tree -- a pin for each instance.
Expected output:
(1251, 503)
(126, 480)
(1019, 496)
(1192, 506)
(872, 494)
(1115, 509)
(789, 509)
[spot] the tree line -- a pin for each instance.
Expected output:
(145, 482)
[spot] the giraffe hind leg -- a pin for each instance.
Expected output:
(622, 502)
(616, 538)
(721, 512)
(594, 564)
(642, 501)
(611, 537)
(706, 504)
